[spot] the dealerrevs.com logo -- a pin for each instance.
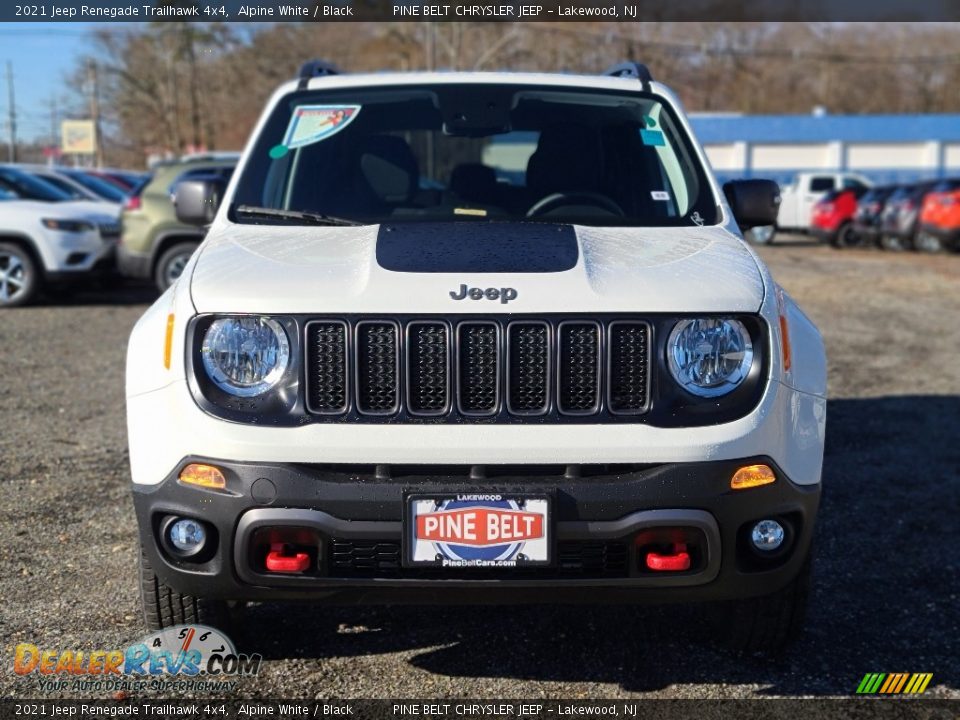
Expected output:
(182, 657)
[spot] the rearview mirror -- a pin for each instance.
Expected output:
(754, 203)
(197, 201)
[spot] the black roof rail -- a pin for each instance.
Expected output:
(316, 68)
(631, 70)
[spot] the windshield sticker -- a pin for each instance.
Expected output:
(312, 123)
(479, 212)
(660, 195)
(697, 218)
(278, 151)
(652, 137)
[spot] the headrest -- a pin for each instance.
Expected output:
(568, 157)
(389, 168)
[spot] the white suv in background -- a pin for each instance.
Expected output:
(46, 238)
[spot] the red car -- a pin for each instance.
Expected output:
(832, 218)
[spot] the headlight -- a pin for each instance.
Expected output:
(74, 226)
(709, 356)
(245, 356)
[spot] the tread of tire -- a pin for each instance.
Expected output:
(769, 623)
(164, 607)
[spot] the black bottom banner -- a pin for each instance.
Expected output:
(773, 709)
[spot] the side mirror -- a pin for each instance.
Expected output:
(197, 201)
(754, 203)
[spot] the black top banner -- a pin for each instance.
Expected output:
(625, 11)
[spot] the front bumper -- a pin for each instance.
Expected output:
(949, 237)
(355, 515)
(133, 264)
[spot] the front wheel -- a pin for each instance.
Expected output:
(762, 235)
(165, 607)
(19, 276)
(846, 237)
(765, 624)
(893, 243)
(171, 264)
(928, 243)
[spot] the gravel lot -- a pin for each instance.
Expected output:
(886, 578)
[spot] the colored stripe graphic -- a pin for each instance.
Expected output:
(894, 683)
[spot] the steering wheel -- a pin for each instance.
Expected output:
(559, 199)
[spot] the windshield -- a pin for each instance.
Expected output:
(476, 153)
(18, 185)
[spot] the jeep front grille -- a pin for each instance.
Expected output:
(477, 369)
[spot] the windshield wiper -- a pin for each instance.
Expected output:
(310, 218)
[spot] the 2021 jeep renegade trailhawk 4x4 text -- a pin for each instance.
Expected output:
(468, 336)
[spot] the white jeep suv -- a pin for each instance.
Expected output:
(47, 238)
(462, 336)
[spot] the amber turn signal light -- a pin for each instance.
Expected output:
(752, 476)
(205, 476)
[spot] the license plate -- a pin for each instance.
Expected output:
(477, 530)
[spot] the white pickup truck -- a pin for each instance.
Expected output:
(798, 198)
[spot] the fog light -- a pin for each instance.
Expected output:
(767, 535)
(205, 476)
(187, 536)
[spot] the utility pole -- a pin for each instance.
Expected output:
(94, 83)
(13, 114)
(54, 138)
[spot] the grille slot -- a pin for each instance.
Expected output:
(578, 379)
(628, 367)
(428, 368)
(478, 377)
(327, 367)
(383, 559)
(378, 368)
(528, 368)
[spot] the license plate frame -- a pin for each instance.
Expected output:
(512, 511)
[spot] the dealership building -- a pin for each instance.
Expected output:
(884, 148)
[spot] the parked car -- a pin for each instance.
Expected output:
(94, 182)
(77, 185)
(799, 197)
(939, 223)
(125, 180)
(582, 386)
(154, 244)
(868, 218)
(48, 238)
(899, 221)
(831, 220)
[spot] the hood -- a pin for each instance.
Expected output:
(424, 268)
(98, 212)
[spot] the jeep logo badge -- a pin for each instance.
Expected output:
(504, 295)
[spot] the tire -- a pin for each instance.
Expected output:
(846, 237)
(171, 264)
(20, 279)
(164, 607)
(766, 624)
(760, 235)
(927, 243)
(893, 243)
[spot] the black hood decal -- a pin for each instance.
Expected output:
(488, 247)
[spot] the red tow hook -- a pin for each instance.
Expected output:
(280, 562)
(679, 560)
